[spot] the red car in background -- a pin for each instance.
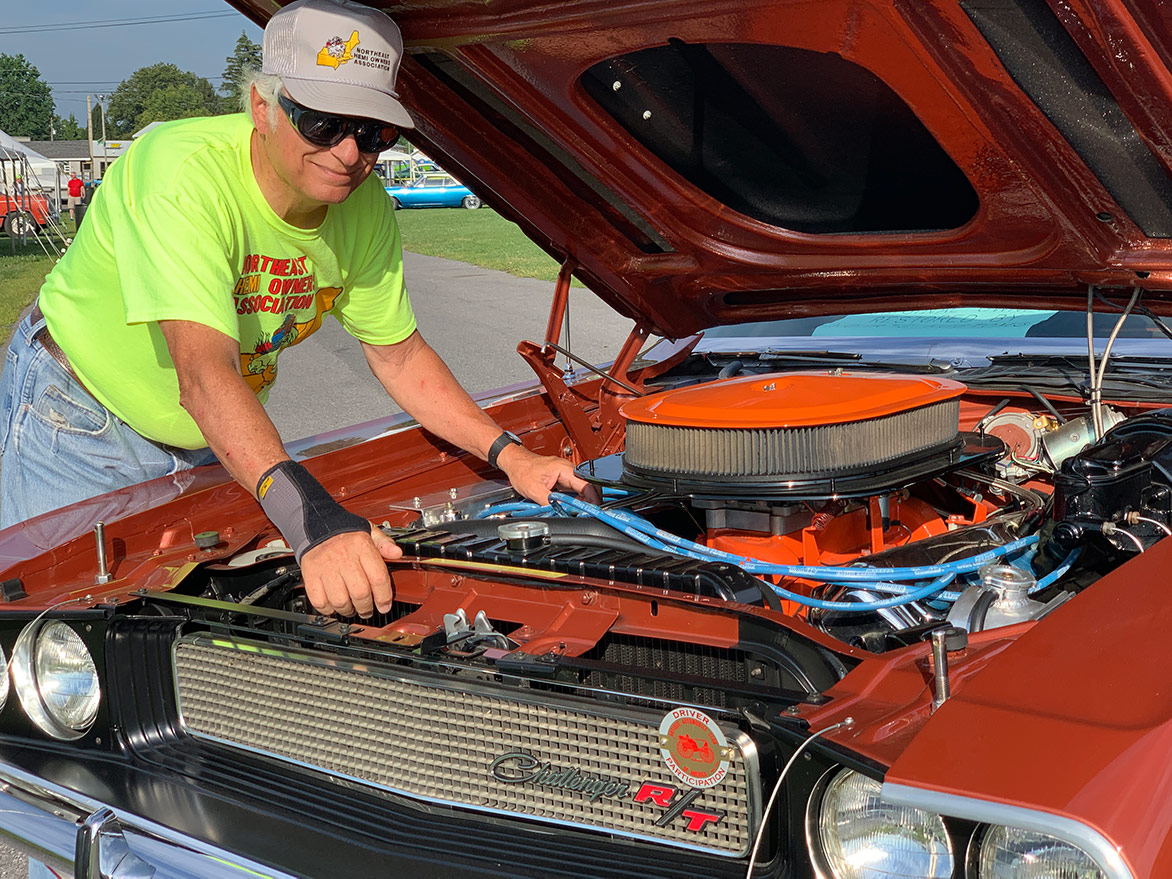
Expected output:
(18, 215)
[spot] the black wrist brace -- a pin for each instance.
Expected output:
(302, 509)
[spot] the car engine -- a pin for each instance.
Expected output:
(874, 506)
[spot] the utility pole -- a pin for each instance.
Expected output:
(89, 130)
(102, 103)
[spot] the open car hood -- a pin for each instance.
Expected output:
(702, 163)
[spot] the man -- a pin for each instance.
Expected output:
(75, 188)
(211, 246)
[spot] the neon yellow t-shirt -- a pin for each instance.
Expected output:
(179, 230)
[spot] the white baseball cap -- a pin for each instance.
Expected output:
(337, 56)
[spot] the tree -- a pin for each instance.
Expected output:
(26, 101)
(179, 101)
(156, 94)
(69, 129)
(246, 56)
(96, 119)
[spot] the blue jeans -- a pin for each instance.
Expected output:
(58, 445)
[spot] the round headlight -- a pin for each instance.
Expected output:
(56, 680)
(863, 837)
(4, 683)
(1012, 853)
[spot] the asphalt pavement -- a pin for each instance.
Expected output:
(473, 317)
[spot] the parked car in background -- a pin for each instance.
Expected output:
(434, 191)
(18, 215)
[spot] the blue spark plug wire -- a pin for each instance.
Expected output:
(1020, 552)
(915, 594)
(527, 507)
(1059, 571)
(638, 528)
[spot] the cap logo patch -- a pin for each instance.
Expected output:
(337, 51)
(694, 747)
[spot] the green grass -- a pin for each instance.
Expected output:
(481, 237)
(21, 274)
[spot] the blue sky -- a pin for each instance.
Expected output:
(94, 59)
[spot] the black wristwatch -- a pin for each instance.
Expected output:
(505, 439)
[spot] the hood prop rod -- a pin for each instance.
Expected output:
(591, 433)
(602, 372)
(559, 317)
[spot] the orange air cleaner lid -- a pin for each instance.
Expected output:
(800, 399)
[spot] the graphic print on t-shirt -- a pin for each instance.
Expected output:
(291, 294)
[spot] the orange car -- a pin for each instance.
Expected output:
(19, 214)
(882, 514)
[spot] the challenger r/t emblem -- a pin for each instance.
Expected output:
(519, 767)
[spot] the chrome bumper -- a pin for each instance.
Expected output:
(86, 839)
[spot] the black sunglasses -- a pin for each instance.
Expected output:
(327, 129)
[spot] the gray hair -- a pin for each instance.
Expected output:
(267, 85)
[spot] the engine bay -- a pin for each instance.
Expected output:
(875, 507)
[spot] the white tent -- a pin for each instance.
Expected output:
(398, 156)
(44, 171)
(145, 129)
(393, 160)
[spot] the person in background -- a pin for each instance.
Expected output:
(75, 189)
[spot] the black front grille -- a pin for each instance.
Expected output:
(672, 659)
(305, 822)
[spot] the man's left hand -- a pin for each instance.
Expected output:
(535, 476)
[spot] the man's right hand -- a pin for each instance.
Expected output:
(344, 566)
(347, 574)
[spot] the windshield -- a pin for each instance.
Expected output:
(957, 336)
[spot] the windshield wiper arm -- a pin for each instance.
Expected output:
(820, 356)
(773, 359)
